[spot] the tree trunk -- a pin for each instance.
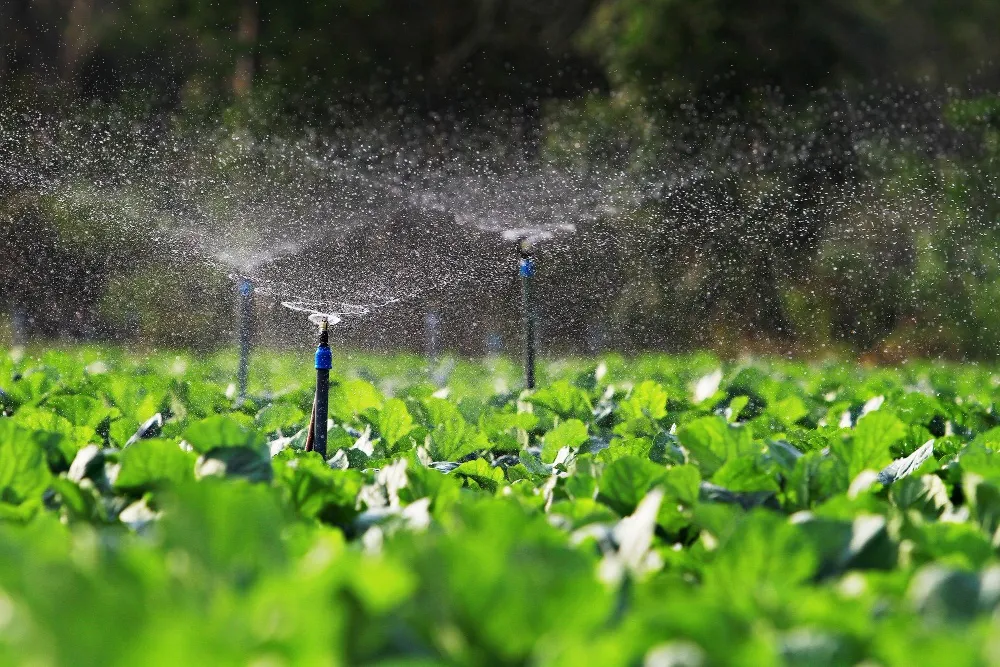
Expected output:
(247, 34)
(76, 39)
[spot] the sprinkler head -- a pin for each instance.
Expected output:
(525, 264)
(324, 320)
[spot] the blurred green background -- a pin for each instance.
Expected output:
(830, 167)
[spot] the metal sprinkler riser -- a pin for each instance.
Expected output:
(245, 291)
(526, 269)
(324, 362)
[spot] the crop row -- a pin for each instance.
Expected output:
(658, 511)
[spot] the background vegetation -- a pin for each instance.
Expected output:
(830, 168)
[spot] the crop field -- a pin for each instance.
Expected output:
(661, 511)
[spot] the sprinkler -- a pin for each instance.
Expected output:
(245, 291)
(323, 314)
(18, 326)
(526, 268)
(432, 330)
(316, 438)
(526, 238)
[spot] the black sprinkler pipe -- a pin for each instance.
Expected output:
(245, 290)
(526, 267)
(316, 440)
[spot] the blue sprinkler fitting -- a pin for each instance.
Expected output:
(246, 287)
(324, 358)
(526, 267)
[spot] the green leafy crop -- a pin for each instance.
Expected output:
(667, 511)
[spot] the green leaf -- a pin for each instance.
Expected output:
(764, 555)
(283, 417)
(455, 439)
(80, 410)
(436, 411)
(380, 585)
(121, 430)
(745, 473)
(580, 485)
(814, 479)
(250, 463)
(230, 530)
(926, 494)
(81, 503)
(497, 422)
(137, 398)
(989, 439)
(350, 398)
(24, 473)
(626, 481)
(984, 499)
(31, 388)
(425, 482)
(487, 477)
(318, 492)
(151, 464)
(222, 431)
(640, 412)
(518, 472)
(563, 399)
(61, 435)
(736, 406)
(570, 433)
(789, 410)
(681, 484)
(960, 544)
(508, 431)
(202, 399)
(517, 578)
(681, 487)
(627, 446)
(711, 442)
(394, 421)
(869, 448)
(945, 595)
(582, 511)
(647, 400)
(534, 466)
(980, 460)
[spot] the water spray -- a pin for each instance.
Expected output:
(316, 439)
(245, 291)
(526, 268)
